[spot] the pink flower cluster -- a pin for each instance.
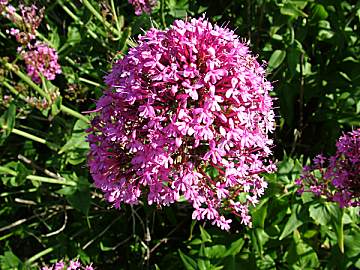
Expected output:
(27, 22)
(143, 6)
(186, 116)
(337, 177)
(71, 265)
(40, 59)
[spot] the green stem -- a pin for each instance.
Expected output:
(76, 114)
(162, 5)
(6, 170)
(28, 80)
(115, 15)
(5, 194)
(105, 23)
(29, 136)
(41, 253)
(72, 62)
(99, 17)
(340, 231)
(50, 180)
(19, 18)
(89, 82)
(79, 21)
(13, 90)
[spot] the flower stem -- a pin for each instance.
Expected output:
(29, 136)
(105, 23)
(118, 26)
(99, 17)
(74, 113)
(79, 21)
(41, 253)
(340, 231)
(89, 82)
(28, 80)
(13, 90)
(162, 3)
(6, 170)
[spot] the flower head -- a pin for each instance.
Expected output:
(143, 6)
(68, 265)
(187, 113)
(40, 59)
(337, 177)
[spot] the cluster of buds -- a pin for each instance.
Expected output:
(42, 103)
(6, 100)
(143, 6)
(71, 265)
(3, 5)
(337, 178)
(187, 115)
(27, 22)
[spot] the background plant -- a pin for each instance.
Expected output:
(49, 209)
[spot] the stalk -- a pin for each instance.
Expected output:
(340, 231)
(41, 253)
(28, 80)
(28, 136)
(33, 85)
(105, 23)
(13, 90)
(6, 170)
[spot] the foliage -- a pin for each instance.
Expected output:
(49, 207)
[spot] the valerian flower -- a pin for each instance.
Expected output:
(338, 177)
(143, 6)
(187, 101)
(40, 59)
(68, 265)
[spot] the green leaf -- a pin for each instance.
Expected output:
(325, 31)
(56, 106)
(212, 172)
(235, 247)
(7, 122)
(319, 214)
(54, 38)
(178, 9)
(80, 200)
(259, 214)
(9, 261)
(292, 224)
(293, 59)
(301, 255)
(78, 138)
(202, 262)
(216, 252)
(318, 12)
(188, 262)
(292, 10)
(124, 37)
(73, 35)
(276, 59)
(22, 173)
(352, 244)
(205, 236)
